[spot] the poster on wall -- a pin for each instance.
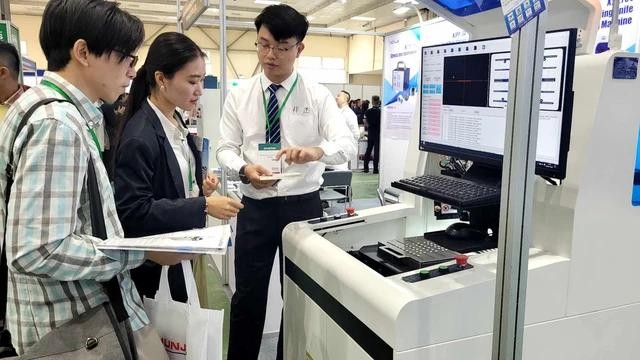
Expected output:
(400, 96)
(402, 71)
(629, 11)
(401, 81)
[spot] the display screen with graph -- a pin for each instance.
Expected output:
(464, 99)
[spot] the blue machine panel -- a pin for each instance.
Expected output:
(468, 7)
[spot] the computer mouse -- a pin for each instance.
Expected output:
(464, 231)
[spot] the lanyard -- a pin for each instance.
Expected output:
(264, 103)
(190, 175)
(92, 132)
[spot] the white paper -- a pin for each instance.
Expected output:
(209, 240)
(279, 176)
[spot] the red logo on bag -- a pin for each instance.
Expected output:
(175, 347)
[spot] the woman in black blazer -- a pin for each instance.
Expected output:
(159, 185)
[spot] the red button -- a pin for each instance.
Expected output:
(461, 260)
(351, 211)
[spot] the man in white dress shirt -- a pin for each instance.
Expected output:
(342, 99)
(278, 108)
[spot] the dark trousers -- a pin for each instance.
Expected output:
(258, 236)
(373, 144)
(147, 280)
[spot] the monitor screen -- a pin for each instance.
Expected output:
(464, 101)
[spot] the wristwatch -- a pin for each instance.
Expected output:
(243, 177)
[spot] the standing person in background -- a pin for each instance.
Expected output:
(55, 267)
(358, 111)
(159, 185)
(278, 107)
(113, 118)
(364, 106)
(10, 88)
(342, 100)
(372, 122)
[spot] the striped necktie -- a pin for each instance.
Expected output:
(273, 122)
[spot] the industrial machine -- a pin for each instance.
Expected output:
(390, 283)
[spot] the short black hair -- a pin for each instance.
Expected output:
(283, 22)
(102, 24)
(348, 95)
(375, 99)
(10, 58)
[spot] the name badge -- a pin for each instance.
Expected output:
(267, 157)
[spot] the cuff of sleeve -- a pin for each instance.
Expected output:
(330, 153)
(129, 259)
(136, 258)
(235, 167)
(328, 148)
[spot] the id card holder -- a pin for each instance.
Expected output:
(267, 157)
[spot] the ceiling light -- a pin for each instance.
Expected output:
(267, 2)
(363, 18)
(401, 10)
(311, 18)
(412, 2)
(191, 11)
(342, 1)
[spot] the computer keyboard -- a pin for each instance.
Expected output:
(451, 190)
(415, 252)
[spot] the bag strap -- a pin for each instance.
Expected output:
(111, 287)
(99, 229)
(10, 171)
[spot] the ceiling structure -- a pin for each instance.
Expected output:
(325, 16)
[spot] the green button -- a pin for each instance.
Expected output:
(425, 273)
(443, 268)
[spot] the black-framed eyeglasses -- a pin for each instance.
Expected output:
(264, 48)
(134, 58)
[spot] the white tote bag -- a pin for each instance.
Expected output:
(187, 331)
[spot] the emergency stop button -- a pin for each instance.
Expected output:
(351, 211)
(461, 260)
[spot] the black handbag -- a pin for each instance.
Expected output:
(103, 332)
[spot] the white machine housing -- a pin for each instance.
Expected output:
(579, 303)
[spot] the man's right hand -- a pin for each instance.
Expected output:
(254, 171)
(222, 207)
(168, 258)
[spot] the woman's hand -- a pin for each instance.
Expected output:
(222, 207)
(210, 184)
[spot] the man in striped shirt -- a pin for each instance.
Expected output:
(55, 269)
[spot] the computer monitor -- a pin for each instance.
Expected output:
(464, 100)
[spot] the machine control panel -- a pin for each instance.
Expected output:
(350, 212)
(425, 274)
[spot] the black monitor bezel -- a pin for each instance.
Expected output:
(494, 160)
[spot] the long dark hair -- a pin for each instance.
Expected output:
(168, 53)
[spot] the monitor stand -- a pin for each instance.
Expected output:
(481, 233)
(473, 236)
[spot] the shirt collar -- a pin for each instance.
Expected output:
(167, 125)
(286, 85)
(14, 96)
(89, 110)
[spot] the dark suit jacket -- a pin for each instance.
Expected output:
(149, 192)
